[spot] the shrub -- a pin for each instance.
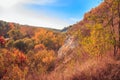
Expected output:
(13, 65)
(42, 60)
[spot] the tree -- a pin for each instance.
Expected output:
(2, 41)
(49, 39)
(9, 43)
(108, 14)
(42, 60)
(39, 47)
(98, 41)
(24, 45)
(13, 65)
(15, 34)
(29, 44)
(19, 44)
(4, 28)
(11, 25)
(114, 9)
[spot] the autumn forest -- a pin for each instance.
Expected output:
(86, 50)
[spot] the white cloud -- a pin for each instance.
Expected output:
(9, 3)
(42, 2)
(14, 11)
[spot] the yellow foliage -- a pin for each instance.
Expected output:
(49, 39)
(98, 41)
(42, 60)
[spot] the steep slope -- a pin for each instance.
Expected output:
(107, 15)
(69, 44)
(104, 67)
(101, 14)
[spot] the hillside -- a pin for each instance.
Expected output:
(87, 50)
(101, 14)
(5, 26)
(20, 44)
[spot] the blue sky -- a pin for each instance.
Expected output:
(46, 13)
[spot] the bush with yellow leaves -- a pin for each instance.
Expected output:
(42, 61)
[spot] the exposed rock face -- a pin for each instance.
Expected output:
(70, 44)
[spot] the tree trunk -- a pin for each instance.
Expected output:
(119, 26)
(112, 32)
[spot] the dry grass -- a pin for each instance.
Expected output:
(99, 68)
(105, 68)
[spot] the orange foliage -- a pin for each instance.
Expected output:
(13, 64)
(2, 41)
(39, 47)
(13, 73)
(39, 35)
(45, 56)
(42, 60)
(49, 39)
(20, 57)
(11, 25)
